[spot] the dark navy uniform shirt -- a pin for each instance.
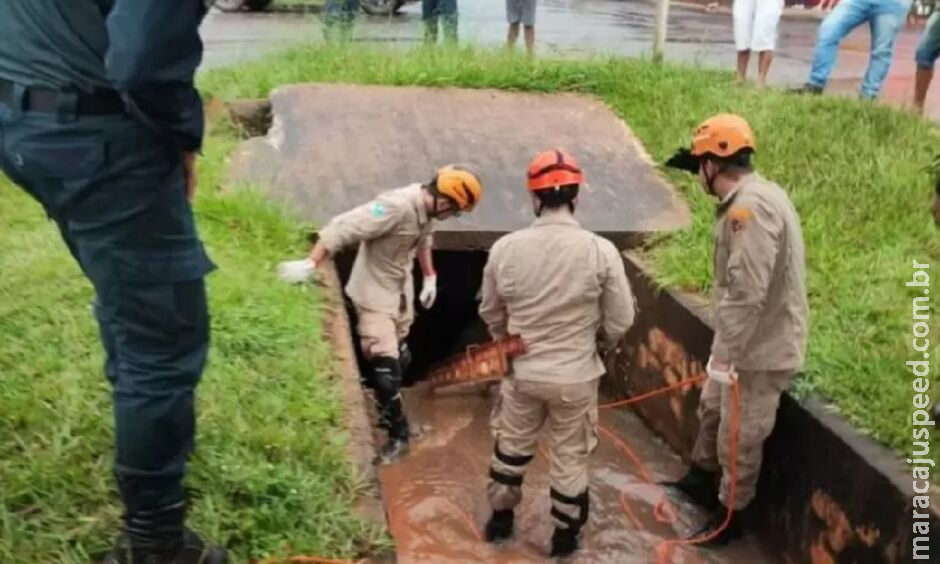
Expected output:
(148, 50)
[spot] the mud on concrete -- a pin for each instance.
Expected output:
(434, 499)
(827, 493)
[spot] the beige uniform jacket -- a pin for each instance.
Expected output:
(388, 230)
(760, 279)
(557, 286)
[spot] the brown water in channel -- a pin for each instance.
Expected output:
(435, 497)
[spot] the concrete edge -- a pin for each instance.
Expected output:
(360, 449)
(823, 411)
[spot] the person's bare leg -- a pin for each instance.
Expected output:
(763, 67)
(512, 36)
(922, 79)
(744, 58)
(530, 40)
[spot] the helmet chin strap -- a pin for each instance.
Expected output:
(710, 181)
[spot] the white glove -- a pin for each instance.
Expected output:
(726, 377)
(428, 292)
(297, 271)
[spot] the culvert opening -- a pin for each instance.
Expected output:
(451, 325)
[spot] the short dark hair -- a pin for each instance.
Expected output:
(563, 196)
(737, 163)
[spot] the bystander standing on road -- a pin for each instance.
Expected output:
(885, 18)
(755, 30)
(439, 14)
(338, 18)
(521, 12)
(926, 57)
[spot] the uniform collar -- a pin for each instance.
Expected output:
(556, 218)
(726, 202)
(417, 194)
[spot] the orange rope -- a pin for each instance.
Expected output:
(665, 549)
(663, 511)
(641, 397)
(307, 560)
(629, 512)
(466, 519)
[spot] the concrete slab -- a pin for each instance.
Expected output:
(332, 147)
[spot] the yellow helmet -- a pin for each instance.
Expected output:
(460, 185)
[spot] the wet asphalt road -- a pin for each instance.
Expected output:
(573, 27)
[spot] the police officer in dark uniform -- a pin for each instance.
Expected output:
(99, 123)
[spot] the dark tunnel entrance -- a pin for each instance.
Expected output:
(450, 325)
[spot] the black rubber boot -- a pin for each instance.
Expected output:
(387, 382)
(701, 486)
(499, 527)
(404, 357)
(715, 521)
(159, 537)
(806, 89)
(565, 542)
(393, 450)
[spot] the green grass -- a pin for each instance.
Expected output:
(856, 172)
(270, 461)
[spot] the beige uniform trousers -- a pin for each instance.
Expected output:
(380, 333)
(522, 409)
(759, 398)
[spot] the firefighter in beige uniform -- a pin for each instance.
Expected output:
(559, 287)
(761, 317)
(389, 230)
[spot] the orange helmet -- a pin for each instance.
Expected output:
(552, 169)
(722, 135)
(460, 185)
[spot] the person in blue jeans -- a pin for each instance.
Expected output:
(338, 18)
(926, 56)
(885, 19)
(443, 12)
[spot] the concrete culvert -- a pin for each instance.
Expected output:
(826, 493)
(435, 496)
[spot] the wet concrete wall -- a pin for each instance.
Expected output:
(448, 327)
(827, 493)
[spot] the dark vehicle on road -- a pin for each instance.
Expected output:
(372, 7)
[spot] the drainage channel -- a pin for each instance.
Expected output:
(435, 499)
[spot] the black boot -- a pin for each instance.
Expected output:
(714, 523)
(806, 89)
(404, 357)
(701, 486)
(159, 537)
(565, 542)
(499, 527)
(396, 447)
(387, 382)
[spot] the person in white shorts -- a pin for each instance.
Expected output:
(755, 29)
(521, 12)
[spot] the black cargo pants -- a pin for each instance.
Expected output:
(117, 194)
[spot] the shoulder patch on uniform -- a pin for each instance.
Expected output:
(738, 218)
(378, 209)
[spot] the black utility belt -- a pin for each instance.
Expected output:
(47, 100)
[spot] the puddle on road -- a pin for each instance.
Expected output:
(435, 497)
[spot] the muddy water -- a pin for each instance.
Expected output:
(437, 507)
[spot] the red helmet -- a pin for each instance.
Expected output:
(552, 169)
